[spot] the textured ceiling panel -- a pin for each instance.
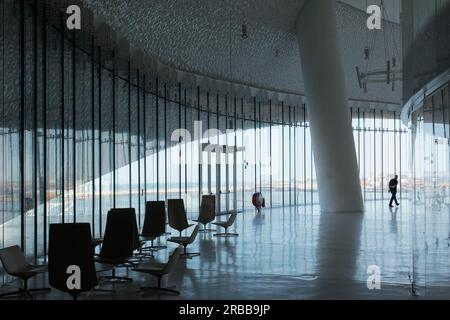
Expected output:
(205, 37)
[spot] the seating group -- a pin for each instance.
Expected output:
(75, 268)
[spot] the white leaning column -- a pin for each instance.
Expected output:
(329, 115)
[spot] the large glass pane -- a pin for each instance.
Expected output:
(250, 161)
(54, 128)
(264, 142)
(107, 142)
(31, 156)
(151, 155)
(286, 157)
(84, 139)
(223, 163)
(122, 136)
(10, 126)
(173, 151)
(68, 132)
(241, 167)
(161, 137)
(135, 147)
(277, 157)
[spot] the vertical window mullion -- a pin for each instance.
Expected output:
(270, 151)
(63, 135)
(143, 149)
(375, 154)
(199, 152)
(304, 153)
(186, 158)
(255, 149)
(290, 156)
(114, 127)
(243, 144)
(235, 156)
(74, 157)
(282, 153)
(180, 141)
(36, 142)
(396, 134)
(165, 141)
(100, 139)
(144, 115)
(260, 146)
(22, 125)
(364, 152)
(138, 138)
(44, 57)
(157, 138)
(130, 200)
(400, 160)
(93, 130)
(209, 141)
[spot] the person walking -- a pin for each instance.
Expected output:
(393, 190)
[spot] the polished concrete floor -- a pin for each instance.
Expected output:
(299, 253)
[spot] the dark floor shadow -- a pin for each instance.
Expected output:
(207, 248)
(226, 253)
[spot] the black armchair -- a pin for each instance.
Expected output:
(15, 264)
(71, 245)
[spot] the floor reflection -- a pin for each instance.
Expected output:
(299, 253)
(338, 247)
(393, 224)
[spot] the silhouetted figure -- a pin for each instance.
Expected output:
(393, 190)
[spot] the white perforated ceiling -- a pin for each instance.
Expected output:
(205, 37)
